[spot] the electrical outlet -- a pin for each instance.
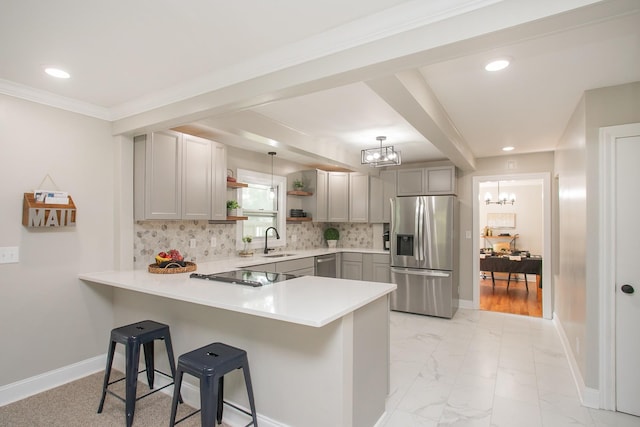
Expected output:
(192, 243)
(9, 255)
(294, 238)
(214, 242)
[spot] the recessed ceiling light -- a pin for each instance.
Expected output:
(497, 65)
(56, 72)
(509, 148)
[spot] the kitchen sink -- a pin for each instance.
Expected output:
(277, 255)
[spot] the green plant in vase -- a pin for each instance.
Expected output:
(298, 185)
(245, 251)
(331, 235)
(233, 208)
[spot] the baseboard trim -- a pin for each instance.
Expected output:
(465, 303)
(589, 397)
(37, 384)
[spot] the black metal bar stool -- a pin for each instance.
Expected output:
(133, 336)
(210, 364)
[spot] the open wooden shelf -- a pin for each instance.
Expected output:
(236, 184)
(237, 218)
(299, 219)
(299, 193)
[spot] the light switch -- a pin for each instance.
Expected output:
(9, 254)
(468, 234)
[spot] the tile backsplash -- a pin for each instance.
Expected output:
(152, 237)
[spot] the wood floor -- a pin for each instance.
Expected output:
(516, 300)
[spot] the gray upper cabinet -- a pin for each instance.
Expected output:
(338, 197)
(359, 197)
(315, 181)
(426, 181)
(219, 181)
(174, 177)
(440, 180)
(158, 176)
(376, 205)
(381, 190)
(196, 178)
(409, 182)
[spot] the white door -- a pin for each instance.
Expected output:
(627, 294)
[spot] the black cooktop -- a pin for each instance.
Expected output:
(246, 277)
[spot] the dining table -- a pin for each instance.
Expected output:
(512, 265)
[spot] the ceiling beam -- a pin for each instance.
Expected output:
(252, 131)
(409, 94)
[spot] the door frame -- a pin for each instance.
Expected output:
(547, 307)
(607, 244)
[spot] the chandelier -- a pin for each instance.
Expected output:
(503, 198)
(380, 156)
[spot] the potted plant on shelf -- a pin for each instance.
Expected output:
(298, 185)
(331, 235)
(233, 208)
(246, 251)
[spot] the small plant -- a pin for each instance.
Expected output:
(232, 204)
(298, 184)
(247, 239)
(331, 234)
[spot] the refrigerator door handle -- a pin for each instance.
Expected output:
(431, 273)
(421, 241)
(416, 231)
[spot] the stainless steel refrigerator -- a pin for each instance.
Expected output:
(424, 255)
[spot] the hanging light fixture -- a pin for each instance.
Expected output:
(380, 156)
(272, 190)
(503, 198)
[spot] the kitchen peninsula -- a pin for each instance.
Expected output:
(318, 347)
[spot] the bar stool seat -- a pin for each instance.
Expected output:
(132, 337)
(210, 364)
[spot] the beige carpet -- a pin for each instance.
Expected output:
(76, 404)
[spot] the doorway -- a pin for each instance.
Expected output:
(511, 246)
(512, 268)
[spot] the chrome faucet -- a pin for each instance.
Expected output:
(266, 235)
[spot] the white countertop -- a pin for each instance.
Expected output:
(306, 300)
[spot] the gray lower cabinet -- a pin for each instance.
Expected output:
(368, 267)
(351, 266)
(376, 268)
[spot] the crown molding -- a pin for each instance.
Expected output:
(47, 98)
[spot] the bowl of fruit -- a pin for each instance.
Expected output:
(171, 262)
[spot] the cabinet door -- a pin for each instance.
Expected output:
(196, 178)
(376, 199)
(440, 180)
(376, 268)
(338, 197)
(163, 172)
(322, 210)
(359, 200)
(219, 181)
(388, 192)
(351, 270)
(410, 182)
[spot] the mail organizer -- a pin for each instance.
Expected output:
(40, 214)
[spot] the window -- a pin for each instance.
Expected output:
(261, 208)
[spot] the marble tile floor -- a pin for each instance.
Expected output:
(484, 369)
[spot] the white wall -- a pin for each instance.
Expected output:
(49, 318)
(576, 281)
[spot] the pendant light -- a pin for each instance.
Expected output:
(381, 155)
(503, 198)
(272, 190)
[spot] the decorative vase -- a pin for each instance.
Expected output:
(332, 243)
